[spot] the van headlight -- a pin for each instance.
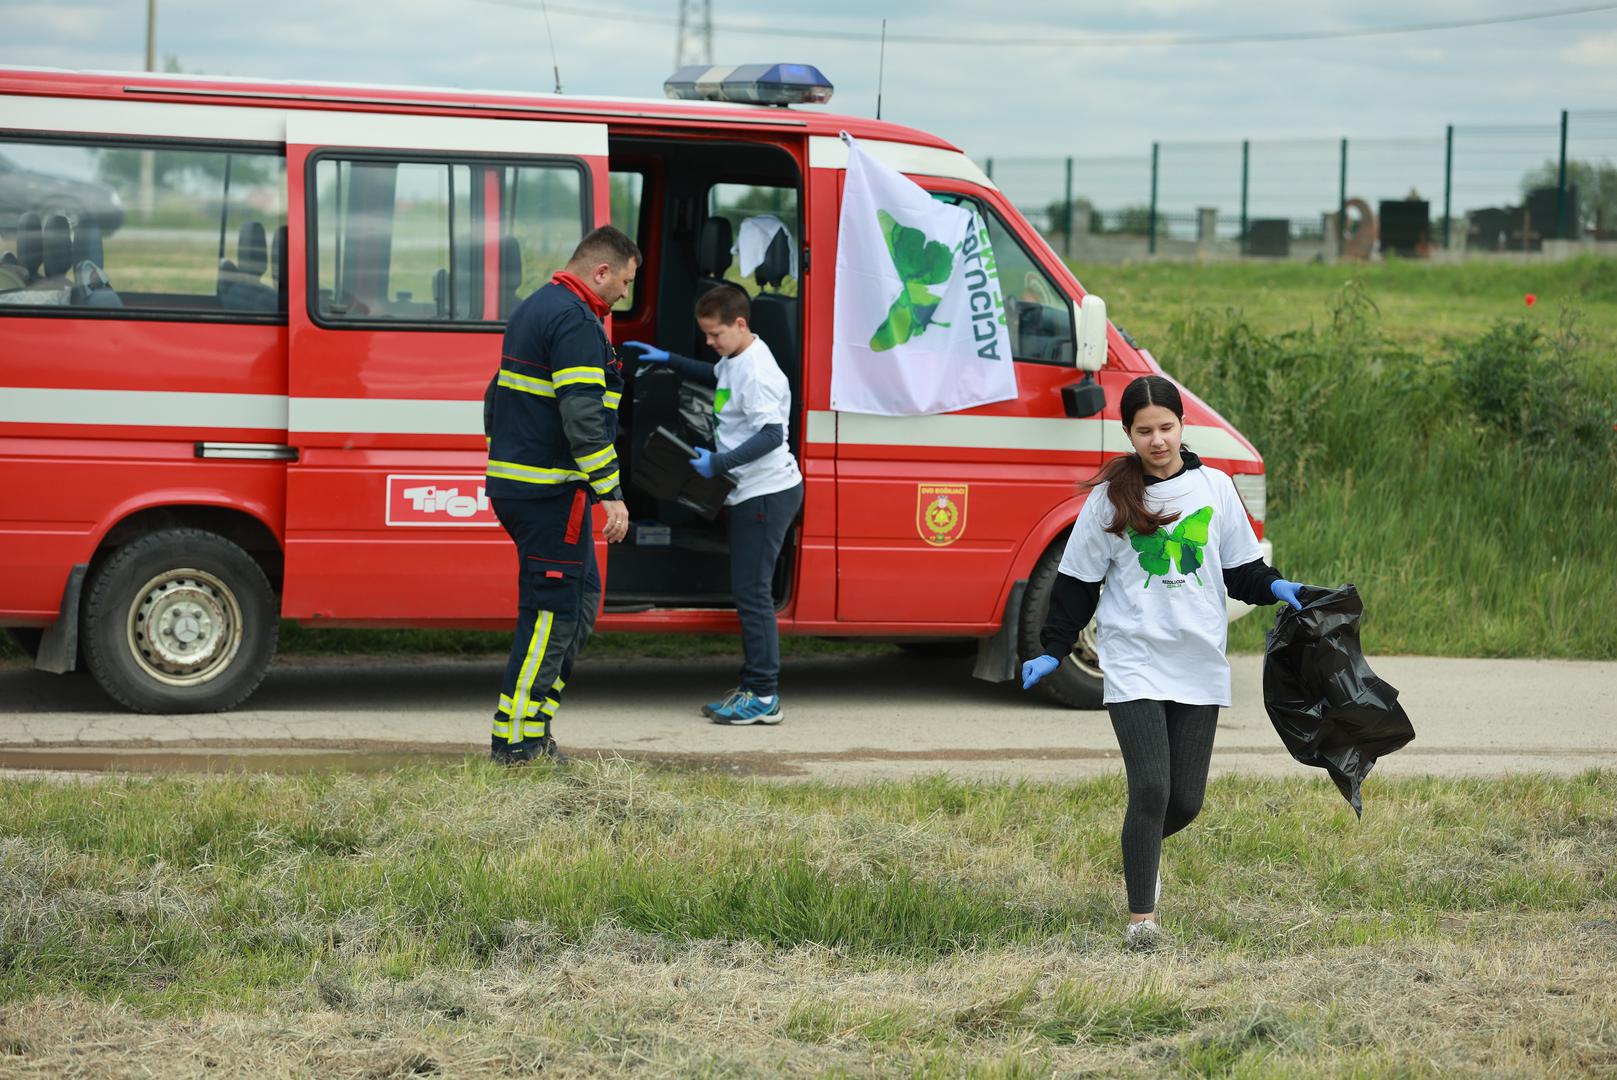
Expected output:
(1254, 491)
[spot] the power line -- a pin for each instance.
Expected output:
(1034, 40)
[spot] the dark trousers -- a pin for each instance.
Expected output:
(758, 528)
(1167, 748)
(558, 592)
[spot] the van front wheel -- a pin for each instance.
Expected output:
(179, 621)
(1077, 682)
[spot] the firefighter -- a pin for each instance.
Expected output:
(550, 416)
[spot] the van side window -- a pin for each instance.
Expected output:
(760, 217)
(149, 229)
(438, 241)
(628, 195)
(1038, 316)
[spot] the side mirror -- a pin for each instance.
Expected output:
(1091, 318)
(1083, 398)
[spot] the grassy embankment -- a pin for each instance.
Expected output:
(1428, 436)
(474, 922)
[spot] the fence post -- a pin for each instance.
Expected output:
(1066, 215)
(1560, 193)
(988, 168)
(1448, 182)
(1246, 160)
(1341, 202)
(1151, 225)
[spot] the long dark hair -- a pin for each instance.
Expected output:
(1125, 476)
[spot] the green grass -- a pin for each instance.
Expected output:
(708, 926)
(1459, 481)
(1419, 304)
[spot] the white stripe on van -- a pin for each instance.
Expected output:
(102, 117)
(142, 408)
(321, 128)
(390, 416)
(394, 416)
(830, 152)
(1002, 433)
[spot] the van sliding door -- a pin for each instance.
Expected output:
(411, 239)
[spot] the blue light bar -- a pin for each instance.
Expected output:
(751, 84)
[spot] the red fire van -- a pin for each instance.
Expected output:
(245, 329)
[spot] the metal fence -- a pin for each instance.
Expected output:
(1487, 188)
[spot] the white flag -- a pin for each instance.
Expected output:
(920, 320)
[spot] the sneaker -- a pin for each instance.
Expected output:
(527, 752)
(712, 708)
(745, 708)
(1143, 936)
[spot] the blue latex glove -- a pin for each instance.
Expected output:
(1286, 593)
(649, 353)
(703, 462)
(1037, 668)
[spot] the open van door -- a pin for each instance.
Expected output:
(410, 240)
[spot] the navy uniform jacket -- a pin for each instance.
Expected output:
(550, 414)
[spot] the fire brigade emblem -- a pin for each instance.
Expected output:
(940, 513)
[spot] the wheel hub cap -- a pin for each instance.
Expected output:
(185, 627)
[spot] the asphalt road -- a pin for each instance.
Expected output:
(847, 719)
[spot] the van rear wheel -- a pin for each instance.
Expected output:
(1077, 683)
(180, 621)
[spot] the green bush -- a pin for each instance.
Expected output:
(1457, 491)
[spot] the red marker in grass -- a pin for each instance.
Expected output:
(1531, 299)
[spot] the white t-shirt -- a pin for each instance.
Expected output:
(1161, 625)
(752, 393)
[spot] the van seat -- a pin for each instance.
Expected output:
(775, 316)
(240, 284)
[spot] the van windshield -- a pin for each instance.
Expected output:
(1038, 315)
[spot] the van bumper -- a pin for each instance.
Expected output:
(1234, 609)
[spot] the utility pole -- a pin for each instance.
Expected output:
(694, 44)
(148, 159)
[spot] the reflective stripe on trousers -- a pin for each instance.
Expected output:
(558, 592)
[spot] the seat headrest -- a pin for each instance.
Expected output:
(58, 245)
(252, 254)
(30, 242)
(87, 242)
(713, 247)
(777, 263)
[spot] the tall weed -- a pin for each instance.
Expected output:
(1461, 492)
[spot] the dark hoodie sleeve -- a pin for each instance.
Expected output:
(1072, 605)
(763, 441)
(694, 370)
(1249, 582)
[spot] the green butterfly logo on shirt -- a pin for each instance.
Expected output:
(920, 262)
(1181, 548)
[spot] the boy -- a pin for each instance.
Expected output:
(753, 403)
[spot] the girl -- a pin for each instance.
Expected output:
(1168, 537)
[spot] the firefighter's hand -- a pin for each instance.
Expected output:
(1286, 592)
(1037, 668)
(703, 462)
(649, 353)
(617, 520)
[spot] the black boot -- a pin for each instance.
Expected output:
(527, 752)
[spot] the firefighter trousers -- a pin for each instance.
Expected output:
(558, 592)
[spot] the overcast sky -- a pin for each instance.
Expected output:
(1002, 100)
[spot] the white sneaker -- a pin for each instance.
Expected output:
(1145, 936)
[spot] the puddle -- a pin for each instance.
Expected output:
(280, 760)
(374, 759)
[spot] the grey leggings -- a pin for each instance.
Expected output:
(1166, 750)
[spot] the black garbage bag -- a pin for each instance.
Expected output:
(1330, 709)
